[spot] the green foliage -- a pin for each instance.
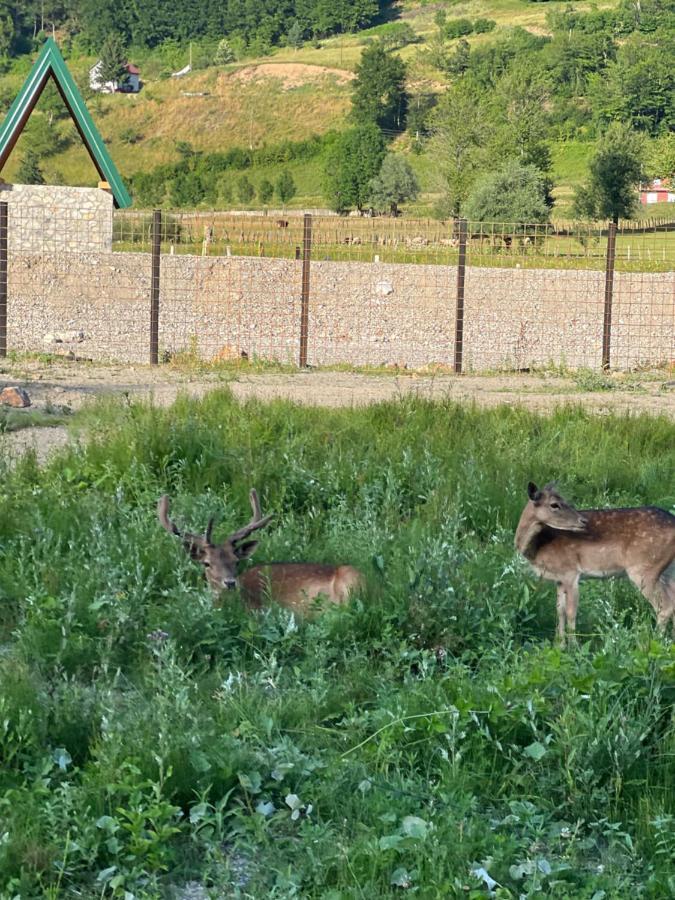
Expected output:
(285, 188)
(518, 112)
(149, 739)
(461, 129)
(458, 61)
(51, 104)
(204, 172)
(484, 26)
(419, 115)
(661, 156)
(616, 169)
(265, 191)
(258, 26)
(639, 87)
(245, 190)
(42, 137)
(29, 171)
(130, 135)
(455, 28)
(352, 162)
(294, 38)
(515, 193)
(395, 35)
(113, 59)
(224, 53)
(394, 184)
(379, 95)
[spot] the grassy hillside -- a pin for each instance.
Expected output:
(288, 95)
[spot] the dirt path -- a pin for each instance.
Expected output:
(71, 385)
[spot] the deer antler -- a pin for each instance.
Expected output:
(193, 543)
(256, 522)
(163, 516)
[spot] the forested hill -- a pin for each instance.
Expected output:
(152, 22)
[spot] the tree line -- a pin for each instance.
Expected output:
(259, 24)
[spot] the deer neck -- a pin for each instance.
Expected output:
(527, 532)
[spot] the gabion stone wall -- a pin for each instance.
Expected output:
(97, 306)
(45, 218)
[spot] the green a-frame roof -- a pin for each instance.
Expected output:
(50, 63)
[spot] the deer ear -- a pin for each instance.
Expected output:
(245, 550)
(196, 550)
(533, 492)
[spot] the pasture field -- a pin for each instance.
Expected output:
(429, 740)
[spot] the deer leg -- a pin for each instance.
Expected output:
(668, 587)
(571, 606)
(659, 589)
(561, 606)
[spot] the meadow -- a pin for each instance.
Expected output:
(429, 739)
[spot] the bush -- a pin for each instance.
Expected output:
(456, 28)
(245, 190)
(482, 26)
(516, 194)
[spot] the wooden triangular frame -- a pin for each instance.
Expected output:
(50, 63)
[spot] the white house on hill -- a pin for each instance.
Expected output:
(130, 85)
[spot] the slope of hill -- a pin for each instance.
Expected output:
(288, 95)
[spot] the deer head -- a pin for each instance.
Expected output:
(220, 561)
(549, 508)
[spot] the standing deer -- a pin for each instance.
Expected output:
(564, 544)
(295, 586)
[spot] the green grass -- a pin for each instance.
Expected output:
(428, 730)
(18, 419)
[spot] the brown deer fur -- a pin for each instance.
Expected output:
(563, 544)
(296, 586)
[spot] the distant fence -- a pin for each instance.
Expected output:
(326, 291)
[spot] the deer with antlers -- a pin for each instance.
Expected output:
(564, 544)
(296, 586)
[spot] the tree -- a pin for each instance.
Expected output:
(285, 187)
(294, 36)
(516, 193)
(51, 104)
(265, 190)
(351, 163)
(8, 28)
(460, 129)
(616, 169)
(435, 51)
(43, 138)
(400, 34)
(639, 87)
(186, 190)
(29, 171)
(419, 112)
(225, 192)
(458, 62)
(245, 190)
(113, 59)
(395, 183)
(661, 156)
(518, 111)
(379, 89)
(224, 53)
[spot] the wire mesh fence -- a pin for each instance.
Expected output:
(327, 291)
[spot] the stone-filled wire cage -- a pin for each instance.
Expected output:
(93, 283)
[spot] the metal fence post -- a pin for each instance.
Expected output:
(304, 309)
(609, 292)
(3, 278)
(154, 285)
(459, 310)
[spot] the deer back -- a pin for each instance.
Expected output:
(299, 586)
